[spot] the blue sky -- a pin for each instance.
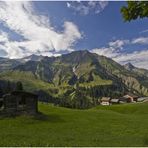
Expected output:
(53, 28)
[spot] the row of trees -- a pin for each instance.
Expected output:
(85, 97)
(73, 97)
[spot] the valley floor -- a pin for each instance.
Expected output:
(118, 125)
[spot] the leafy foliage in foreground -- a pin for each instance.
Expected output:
(134, 10)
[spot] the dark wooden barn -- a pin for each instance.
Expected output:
(19, 102)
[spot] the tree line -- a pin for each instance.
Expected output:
(74, 97)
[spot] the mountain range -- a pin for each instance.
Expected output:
(79, 69)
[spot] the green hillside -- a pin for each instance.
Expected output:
(89, 70)
(119, 125)
(29, 81)
(77, 79)
(86, 93)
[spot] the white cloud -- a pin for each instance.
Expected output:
(144, 31)
(101, 7)
(140, 40)
(106, 51)
(85, 7)
(103, 4)
(3, 36)
(137, 58)
(118, 43)
(39, 36)
(115, 51)
(68, 4)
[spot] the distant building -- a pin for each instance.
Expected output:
(105, 101)
(142, 99)
(20, 101)
(114, 101)
(129, 98)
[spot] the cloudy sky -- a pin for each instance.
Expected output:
(54, 28)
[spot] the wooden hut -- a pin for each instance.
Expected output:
(20, 101)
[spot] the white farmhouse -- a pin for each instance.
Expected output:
(105, 101)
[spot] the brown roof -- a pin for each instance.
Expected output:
(127, 96)
(132, 95)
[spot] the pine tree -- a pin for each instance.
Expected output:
(19, 86)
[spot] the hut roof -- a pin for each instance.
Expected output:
(24, 93)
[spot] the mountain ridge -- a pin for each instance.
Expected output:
(89, 67)
(36, 57)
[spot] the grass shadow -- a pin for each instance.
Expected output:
(50, 118)
(53, 118)
(3, 115)
(145, 141)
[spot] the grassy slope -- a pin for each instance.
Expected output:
(30, 83)
(119, 125)
(27, 78)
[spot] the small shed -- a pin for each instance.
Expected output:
(20, 101)
(105, 101)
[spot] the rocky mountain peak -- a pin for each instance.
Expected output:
(129, 66)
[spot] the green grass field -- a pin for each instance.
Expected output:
(118, 125)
